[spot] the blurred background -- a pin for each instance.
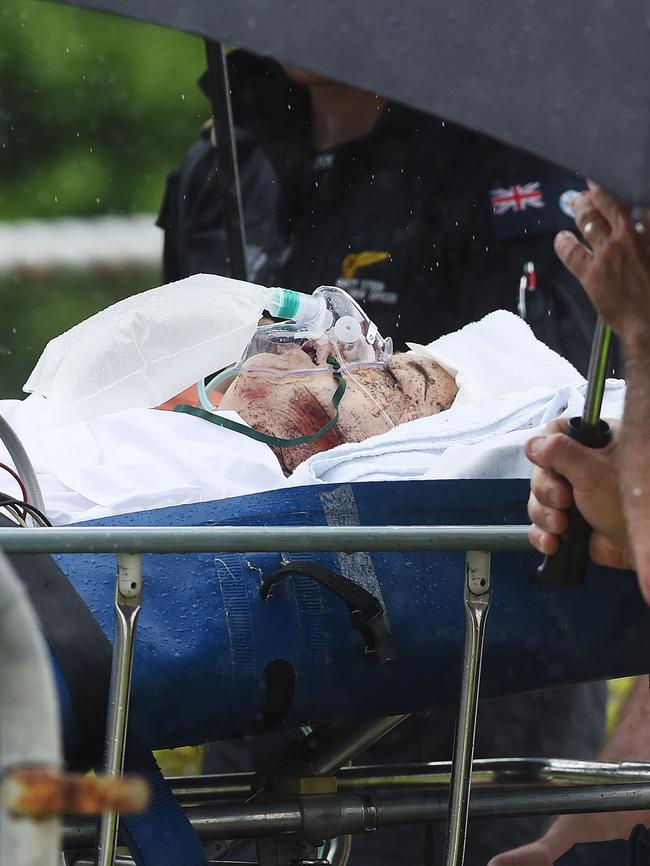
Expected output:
(94, 111)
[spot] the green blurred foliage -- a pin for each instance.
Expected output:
(37, 307)
(94, 110)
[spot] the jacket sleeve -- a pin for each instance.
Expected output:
(191, 216)
(168, 222)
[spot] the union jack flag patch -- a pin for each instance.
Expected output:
(516, 198)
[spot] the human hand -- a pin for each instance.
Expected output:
(615, 272)
(536, 853)
(566, 471)
(567, 831)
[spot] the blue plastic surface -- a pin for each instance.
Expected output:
(205, 636)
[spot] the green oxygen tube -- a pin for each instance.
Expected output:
(286, 304)
(266, 438)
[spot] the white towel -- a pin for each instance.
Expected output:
(510, 386)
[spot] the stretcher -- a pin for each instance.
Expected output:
(231, 643)
(215, 658)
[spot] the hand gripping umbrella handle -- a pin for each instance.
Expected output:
(567, 566)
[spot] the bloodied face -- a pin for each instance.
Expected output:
(290, 394)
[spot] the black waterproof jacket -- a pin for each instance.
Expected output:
(429, 226)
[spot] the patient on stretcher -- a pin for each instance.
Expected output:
(495, 381)
(289, 395)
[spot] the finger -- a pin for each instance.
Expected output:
(592, 224)
(604, 552)
(557, 425)
(566, 457)
(573, 255)
(616, 214)
(550, 490)
(545, 542)
(551, 520)
(564, 466)
(536, 853)
(528, 855)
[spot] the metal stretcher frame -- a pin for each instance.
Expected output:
(610, 786)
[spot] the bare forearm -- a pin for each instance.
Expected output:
(635, 459)
(629, 741)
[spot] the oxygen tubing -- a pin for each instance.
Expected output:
(22, 463)
(266, 438)
(204, 390)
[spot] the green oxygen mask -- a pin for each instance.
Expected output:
(266, 438)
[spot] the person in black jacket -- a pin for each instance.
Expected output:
(428, 226)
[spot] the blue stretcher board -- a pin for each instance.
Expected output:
(206, 639)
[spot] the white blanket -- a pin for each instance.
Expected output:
(135, 460)
(511, 385)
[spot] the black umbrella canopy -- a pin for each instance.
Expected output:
(569, 82)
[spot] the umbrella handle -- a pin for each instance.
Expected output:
(567, 567)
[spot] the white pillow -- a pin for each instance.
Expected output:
(145, 349)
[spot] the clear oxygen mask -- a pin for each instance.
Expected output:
(332, 333)
(327, 323)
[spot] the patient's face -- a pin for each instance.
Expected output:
(290, 395)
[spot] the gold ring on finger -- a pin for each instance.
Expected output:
(590, 228)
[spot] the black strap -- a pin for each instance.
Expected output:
(366, 611)
(78, 643)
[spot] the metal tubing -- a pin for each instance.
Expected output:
(350, 813)
(597, 373)
(128, 595)
(119, 861)
(327, 749)
(22, 462)
(30, 725)
(338, 850)
(191, 790)
(170, 539)
(128, 861)
(477, 604)
(228, 166)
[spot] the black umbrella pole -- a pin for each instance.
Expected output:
(227, 170)
(567, 567)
